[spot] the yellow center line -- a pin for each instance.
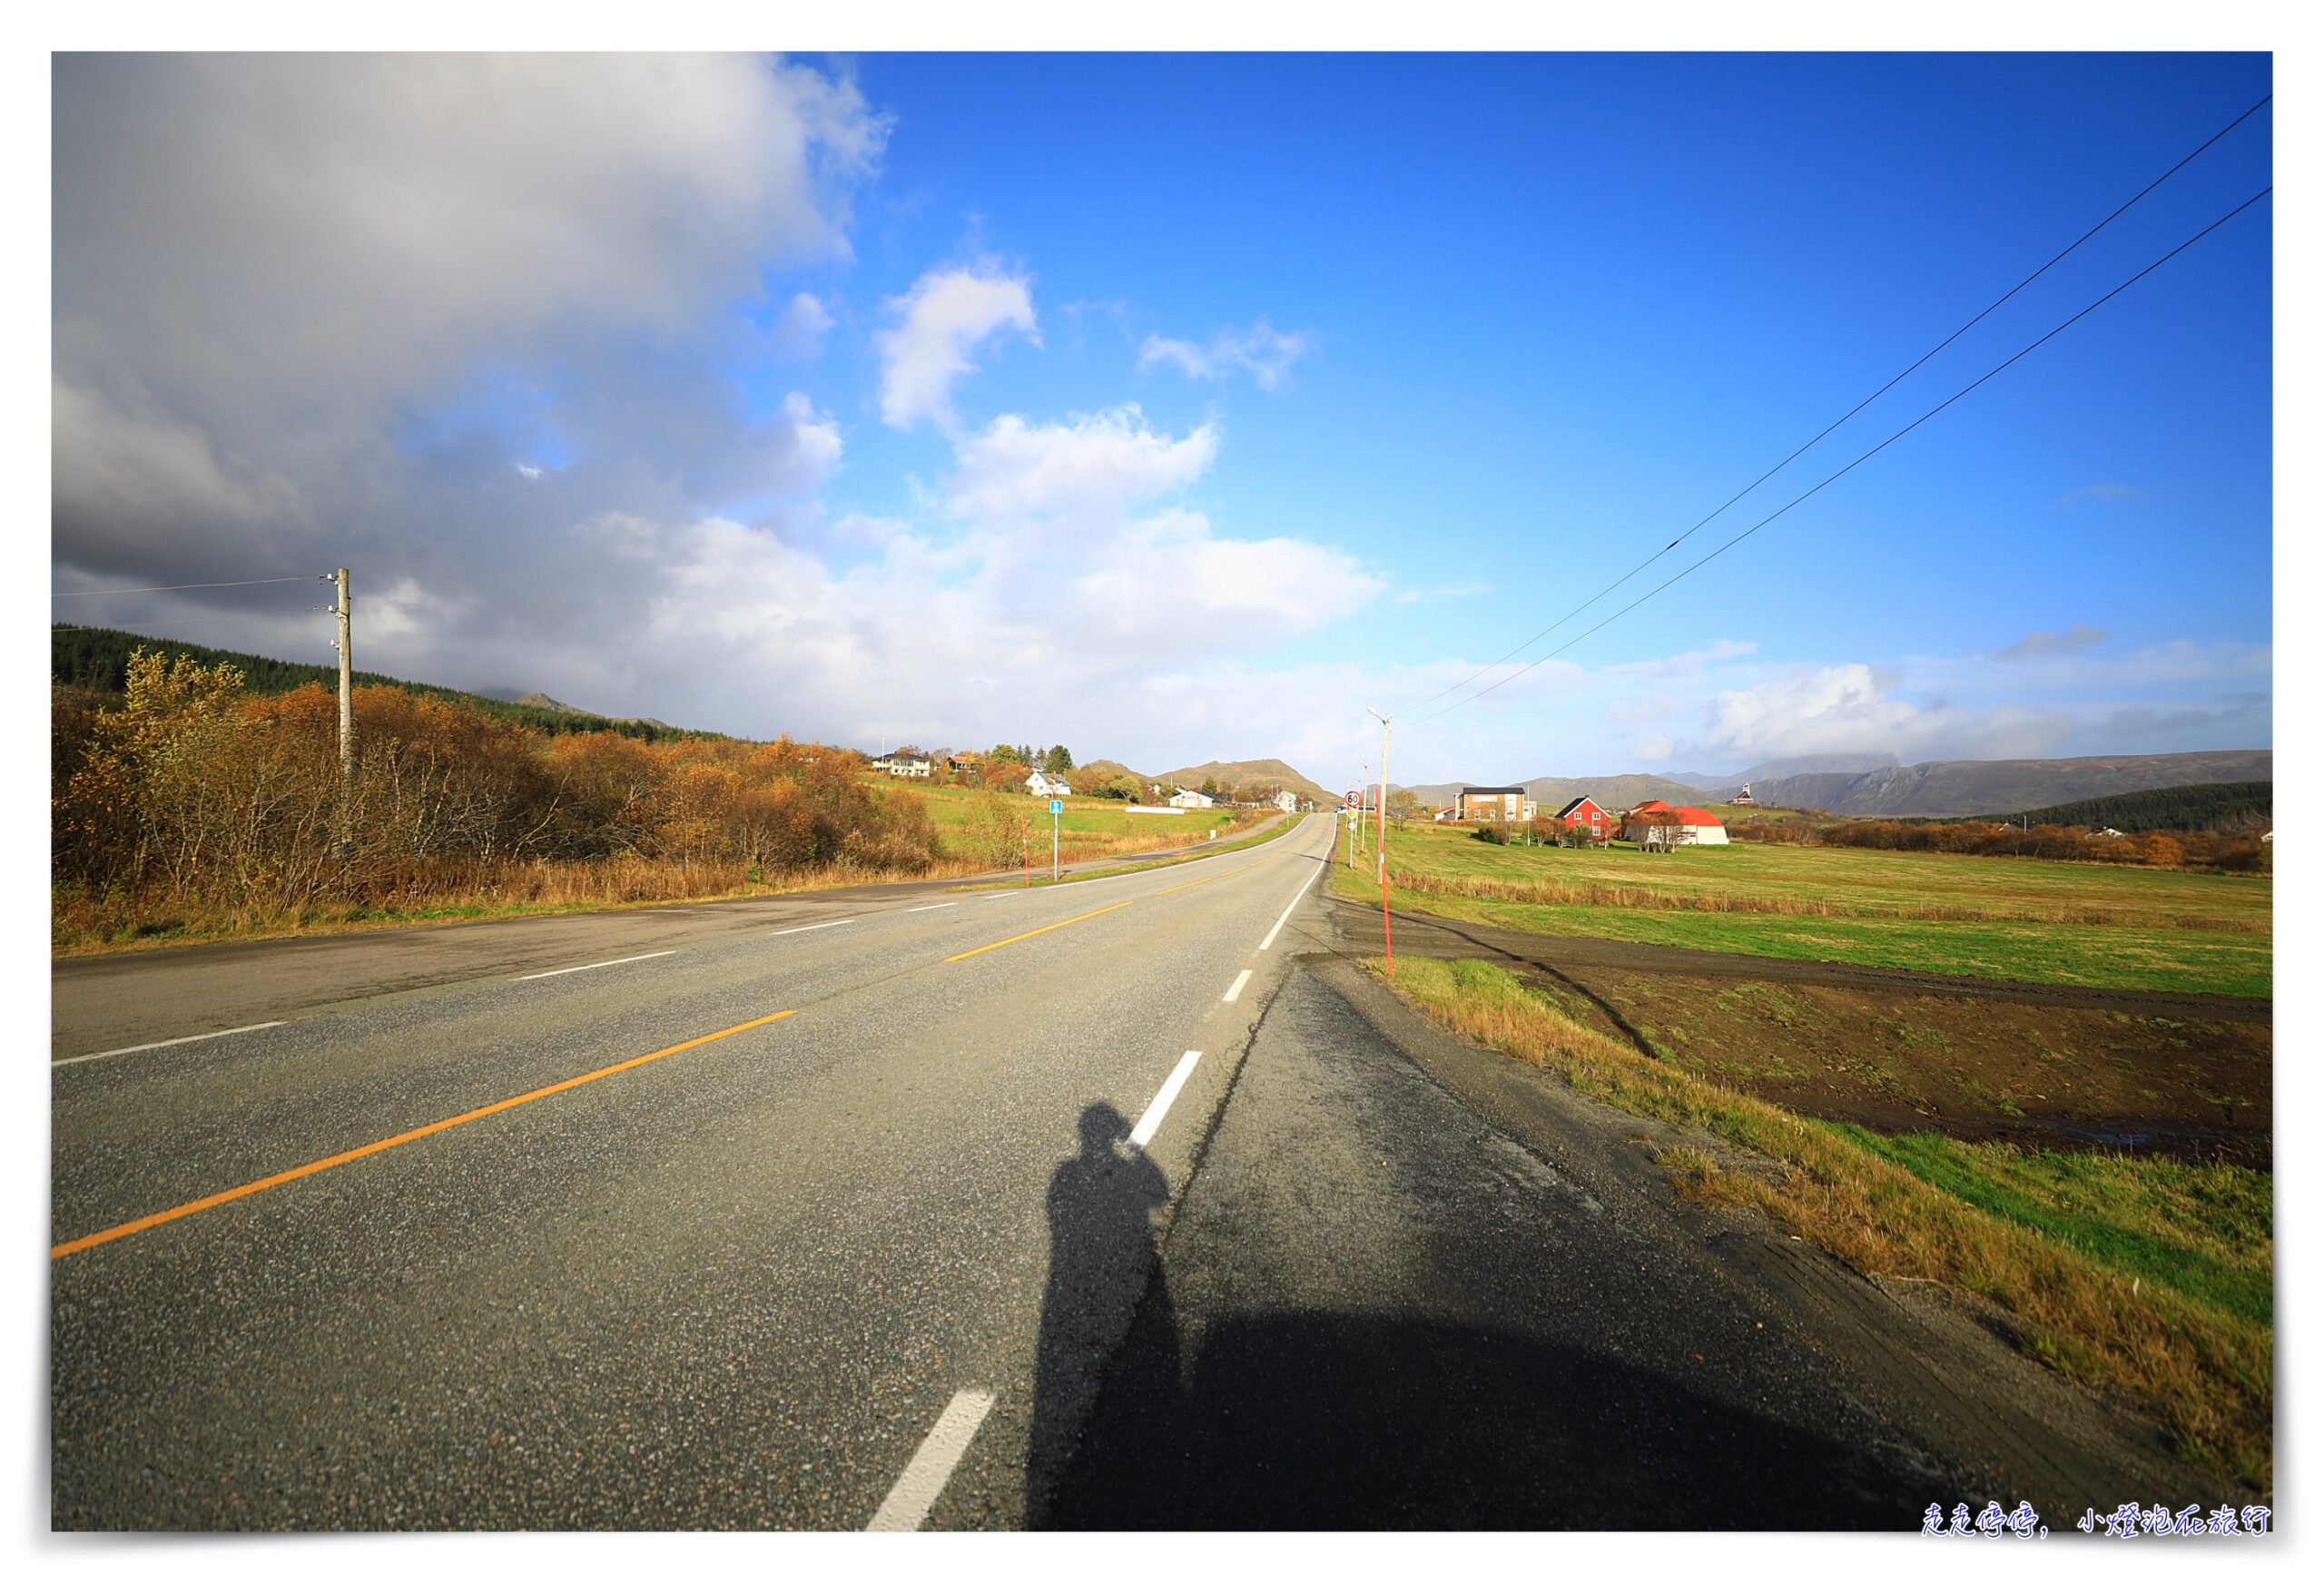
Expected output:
(1030, 933)
(1192, 883)
(147, 1222)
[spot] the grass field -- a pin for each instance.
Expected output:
(1090, 826)
(2097, 925)
(2145, 1276)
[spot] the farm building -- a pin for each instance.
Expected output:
(1585, 810)
(1503, 804)
(1185, 799)
(1695, 827)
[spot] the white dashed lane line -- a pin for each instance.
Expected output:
(932, 907)
(1151, 1122)
(585, 967)
(1236, 989)
(165, 1044)
(804, 927)
(924, 1477)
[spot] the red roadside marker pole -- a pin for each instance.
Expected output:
(1387, 931)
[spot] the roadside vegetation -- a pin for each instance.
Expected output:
(195, 809)
(189, 806)
(2099, 926)
(2152, 1278)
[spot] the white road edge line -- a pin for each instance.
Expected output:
(1286, 911)
(1151, 1122)
(165, 1044)
(932, 907)
(924, 1477)
(1236, 989)
(804, 927)
(618, 961)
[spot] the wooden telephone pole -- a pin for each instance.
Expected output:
(345, 834)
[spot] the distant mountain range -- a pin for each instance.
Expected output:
(2007, 785)
(1867, 785)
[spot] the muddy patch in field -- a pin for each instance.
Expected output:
(1974, 1068)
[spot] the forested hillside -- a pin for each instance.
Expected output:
(2234, 805)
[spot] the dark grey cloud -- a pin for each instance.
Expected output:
(281, 281)
(2036, 644)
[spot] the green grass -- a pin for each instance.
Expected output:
(2207, 1232)
(1211, 849)
(2144, 1276)
(949, 809)
(2093, 924)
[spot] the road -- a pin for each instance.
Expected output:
(1126, 1203)
(737, 1284)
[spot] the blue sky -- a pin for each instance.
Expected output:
(1182, 407)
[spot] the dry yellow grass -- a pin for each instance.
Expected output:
(82, 926)
(2206, 1375)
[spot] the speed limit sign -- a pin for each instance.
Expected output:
(1353, 799)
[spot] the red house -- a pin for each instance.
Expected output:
(1585, 810)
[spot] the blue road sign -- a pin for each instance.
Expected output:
(1057, 805)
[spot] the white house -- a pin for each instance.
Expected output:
(911, 766)
(1041, 783)
(1185, 799)
(1288, 801)
(1692, 826)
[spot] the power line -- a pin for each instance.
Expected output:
(180, 587)
(1859, 461)
(1852, 411)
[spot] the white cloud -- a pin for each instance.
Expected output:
(801, 327)
(529, 471)
(946, 315)
(1855, 708)
(1261, 351)
(1098, 465)
(1431, 596)
(814, 437)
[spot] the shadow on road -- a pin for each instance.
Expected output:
(1102, 1257)
(1328, 1421)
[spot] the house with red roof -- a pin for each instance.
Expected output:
(1695, 827)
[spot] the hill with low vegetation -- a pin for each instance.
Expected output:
(1252, 774)
(189, 804)
(2003, 786)
(96, 659)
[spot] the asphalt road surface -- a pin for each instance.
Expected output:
(847, 1214)
(871, 1163)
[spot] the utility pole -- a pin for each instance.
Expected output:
(345, 689)
(343, 836)
(1387, 934)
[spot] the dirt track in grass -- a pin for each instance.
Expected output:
(2042, 1065)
